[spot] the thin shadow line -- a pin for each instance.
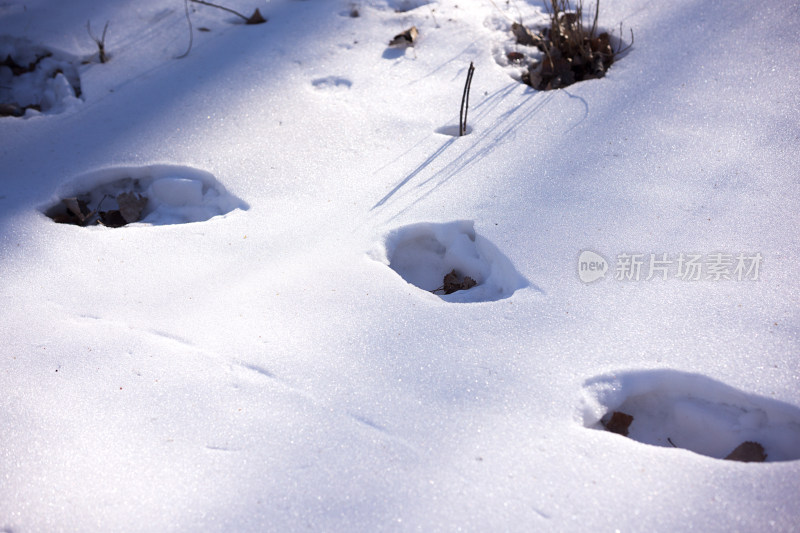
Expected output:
(585, 107)
(414, 173)
(482, 148)
(481, 109)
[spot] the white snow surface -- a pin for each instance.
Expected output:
(258, 365)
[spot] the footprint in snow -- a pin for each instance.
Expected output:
(451, 261)
(404, 6)
(694, 412)
(36, 80)
(332, 84)
(151, 195)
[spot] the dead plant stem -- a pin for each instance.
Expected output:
(462, 123)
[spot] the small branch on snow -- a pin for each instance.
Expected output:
(101, 42)
(462, 117)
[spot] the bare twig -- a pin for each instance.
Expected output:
(596, 13)
(621, 50)
(433, 15)
(462, 122)
(101, 41)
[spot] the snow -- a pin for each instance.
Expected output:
(251, 357)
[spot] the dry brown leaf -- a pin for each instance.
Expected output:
(407, 38)
(77, 208)
(256, 18)
(748, 452)
(111, 219)
(131, 206)
(11, 110)
(452, 283)
(524, 35)
(73, 211)
(619, 423)
(515, 57)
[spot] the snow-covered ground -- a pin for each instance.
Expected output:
(261, 351)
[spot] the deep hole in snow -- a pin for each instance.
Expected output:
(690, 411)
(34, 79)
(425, 254)
(153, 195)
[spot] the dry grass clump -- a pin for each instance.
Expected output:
(572, 50)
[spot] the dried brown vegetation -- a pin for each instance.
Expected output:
(573, 51)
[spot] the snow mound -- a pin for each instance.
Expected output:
(424, 253)
(175, 194)
(35, 80)
(693, 412)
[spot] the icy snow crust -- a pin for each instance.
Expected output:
(267, 370)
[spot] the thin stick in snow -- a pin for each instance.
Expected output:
(100, 41)
(462, 117)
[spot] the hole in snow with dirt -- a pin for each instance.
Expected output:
(693, 412)
(424, 254)
(35, 79)
(151, 195)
